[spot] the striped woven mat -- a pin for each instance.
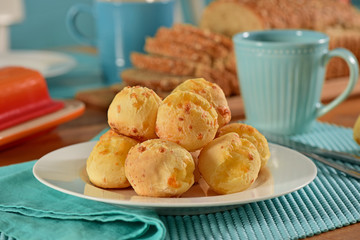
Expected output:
(331, 201)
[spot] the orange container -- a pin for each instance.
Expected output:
(23, 96)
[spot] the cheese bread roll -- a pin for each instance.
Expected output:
(356, 131)
(251, 134)
(105, 165)
(187, 119)
(211, 92)
(133, 112)
(195, 156)
(159, 168)
(229, 164)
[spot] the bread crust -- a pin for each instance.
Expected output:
(229, 17)
(167, 48)
(229, 164)
(219, 39)
(161, 64)
(151, 79)
(349, 39)
(184, 52)
(194, 41)
(224, 17)
(159, 168)
(219, 16)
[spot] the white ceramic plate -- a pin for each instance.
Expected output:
(64, 170)
(49, 64)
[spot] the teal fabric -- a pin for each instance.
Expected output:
(30, 210)
(331, 201)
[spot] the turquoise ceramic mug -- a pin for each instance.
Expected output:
(281, 74)
(121, 28)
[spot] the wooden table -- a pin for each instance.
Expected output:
(94, 120)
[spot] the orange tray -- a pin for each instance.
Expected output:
(71, 110)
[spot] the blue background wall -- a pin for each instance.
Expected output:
(44, 25)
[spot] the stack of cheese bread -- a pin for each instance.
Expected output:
(182, 52)
(338, 19)
(162, 147)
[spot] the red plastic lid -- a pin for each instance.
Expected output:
(23, 96)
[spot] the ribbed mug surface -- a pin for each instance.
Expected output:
(281, 74)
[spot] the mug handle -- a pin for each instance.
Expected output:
(352, 63)
(71, 16)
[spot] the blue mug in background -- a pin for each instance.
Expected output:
(121, 28)
(281, 74)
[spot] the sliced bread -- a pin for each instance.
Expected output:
(154, 80)
(161, 64)
(192, 40)
(167, 48)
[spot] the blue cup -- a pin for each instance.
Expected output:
(121, 28)
(281, 75)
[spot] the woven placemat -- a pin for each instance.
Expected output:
(331, 201)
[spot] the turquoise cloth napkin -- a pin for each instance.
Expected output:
(31, 210)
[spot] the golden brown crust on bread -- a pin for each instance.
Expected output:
(154, 80)
(133, 112)
(229, 17)
(356, 130)
(219, 39)
(168, 48)
(194, 41)
(105, 165)
(212, 93)
(221, 78)
(193, 120)
(159, 168)
(349, 39)
(167, 65)
(163, 82)
(184, 52)
(251, 134)
(229, 164)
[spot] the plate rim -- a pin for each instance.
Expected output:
(189, 204)
(68, 62)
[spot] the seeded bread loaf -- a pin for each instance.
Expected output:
(229, 17)
(168, 48)
(340, 20)
(161, 64)
(194, 41)
(153, 80)
(167, 67)
(218, 38)
(344, 38)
